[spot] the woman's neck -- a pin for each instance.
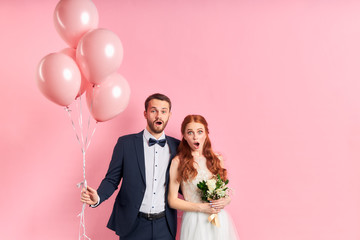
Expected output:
(196, 153)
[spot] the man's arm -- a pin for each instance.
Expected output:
(114, 174)
(111, 181)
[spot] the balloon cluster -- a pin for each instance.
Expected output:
(88, 65)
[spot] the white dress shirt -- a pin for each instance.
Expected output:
(156, 162)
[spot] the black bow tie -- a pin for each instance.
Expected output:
(161, 142)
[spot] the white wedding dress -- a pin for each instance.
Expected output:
(195, 225)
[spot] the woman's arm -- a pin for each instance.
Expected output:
(178, 203)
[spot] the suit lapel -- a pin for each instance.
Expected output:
(139, 147)
(173, 151)
(172, 147)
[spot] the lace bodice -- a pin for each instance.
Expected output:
(189, 189)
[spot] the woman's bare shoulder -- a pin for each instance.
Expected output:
(175, 160)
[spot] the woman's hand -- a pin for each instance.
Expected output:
(220, 203)
(207, 208)
(89, 196)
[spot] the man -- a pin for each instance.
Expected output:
(141, 161)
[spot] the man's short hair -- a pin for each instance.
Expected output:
(158, 96)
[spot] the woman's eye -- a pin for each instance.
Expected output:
(189, 133)
(200, 132)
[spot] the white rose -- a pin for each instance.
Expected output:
(211, 183)
(220, 192)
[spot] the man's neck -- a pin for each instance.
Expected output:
(156, 135)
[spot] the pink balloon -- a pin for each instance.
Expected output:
(73, 18)
(99, 54)
(84, 83)
(58, 78)
(110, 98)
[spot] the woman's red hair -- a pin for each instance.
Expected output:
(186, 169)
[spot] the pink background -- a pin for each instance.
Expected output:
(278, 82)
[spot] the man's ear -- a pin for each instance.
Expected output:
(145, 114)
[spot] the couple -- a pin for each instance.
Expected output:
(145, 207)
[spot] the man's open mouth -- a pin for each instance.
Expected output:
(158, 123)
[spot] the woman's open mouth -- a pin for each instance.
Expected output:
(196, 144)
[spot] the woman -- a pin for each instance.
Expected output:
(195, 162)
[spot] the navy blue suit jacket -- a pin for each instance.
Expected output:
(128, 164)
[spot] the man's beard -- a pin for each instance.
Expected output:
(156, 130)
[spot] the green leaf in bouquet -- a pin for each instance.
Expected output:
(204, 190)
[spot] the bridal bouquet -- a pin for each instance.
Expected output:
(213, 189)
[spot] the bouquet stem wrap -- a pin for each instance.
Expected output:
(214, 220)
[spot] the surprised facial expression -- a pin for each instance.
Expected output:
(157, 115)
(195, 136)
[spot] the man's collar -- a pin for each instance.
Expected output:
(148, 135)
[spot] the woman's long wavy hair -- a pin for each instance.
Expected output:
(186, 169)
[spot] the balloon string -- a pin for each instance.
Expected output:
(90, 138)
(84, 146)
(68, 110)
(78, 104)
(82, 229)
(88, 127)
